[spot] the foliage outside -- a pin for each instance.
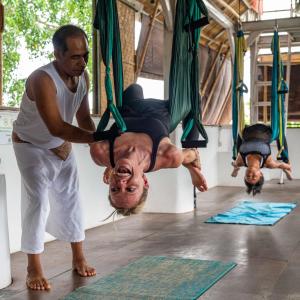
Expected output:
(34, 22)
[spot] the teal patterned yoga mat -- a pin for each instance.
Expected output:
(156, 277)
(254, 213)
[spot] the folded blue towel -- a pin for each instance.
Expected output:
(254, 213)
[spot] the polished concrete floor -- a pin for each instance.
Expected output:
(268, 257)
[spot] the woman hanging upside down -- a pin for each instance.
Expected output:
(144, 147)
(254, 152)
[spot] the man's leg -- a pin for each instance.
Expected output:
(65, 218)
(80, 264)
(34, 210)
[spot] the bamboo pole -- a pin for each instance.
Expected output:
(227, 6)
(218, 110)
(203, 90)
(96, 109)
(1, 51)
(215, 84)
(146, 44)
(223, 107)
(265, 97)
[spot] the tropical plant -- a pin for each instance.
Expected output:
(30, 24)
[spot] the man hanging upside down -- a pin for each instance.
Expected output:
(144, 147)
(254, 153)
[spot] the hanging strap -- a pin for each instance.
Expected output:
(184, 72)
(279, 89)
(106, 21)
(238, 90)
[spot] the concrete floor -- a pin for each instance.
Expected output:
(268, 257)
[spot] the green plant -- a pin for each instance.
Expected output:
(34, 22)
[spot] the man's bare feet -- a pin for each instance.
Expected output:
(83, 269)
(79, 263)
(35, 279)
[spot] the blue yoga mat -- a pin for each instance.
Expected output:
(254, 213)
(156, 277)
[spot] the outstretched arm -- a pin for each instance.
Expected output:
(236, 165)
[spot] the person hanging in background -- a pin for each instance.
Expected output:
(254, 153)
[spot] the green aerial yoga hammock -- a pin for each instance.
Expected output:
(238, 89)
(184, 95)
(279, 89)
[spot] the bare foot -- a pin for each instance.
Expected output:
(83, 269)
(198, 179)
(36, 281)
(288, 174)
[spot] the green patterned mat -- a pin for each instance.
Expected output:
(156, 277)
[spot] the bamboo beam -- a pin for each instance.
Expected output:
(224, 104)
(216, 37)
(168, 15)
(215, 84)
(214, 117)
(144, 50)
(1, 51)
(227, 6)
(203, 90)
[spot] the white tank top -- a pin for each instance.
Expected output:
(29, 125)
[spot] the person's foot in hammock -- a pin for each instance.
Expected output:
(198, 179)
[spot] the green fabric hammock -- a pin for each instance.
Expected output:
(238, 89)
(184, 73)
(106, 21)
(279, 89)
(184, 79)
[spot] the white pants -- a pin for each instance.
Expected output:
(50, 199)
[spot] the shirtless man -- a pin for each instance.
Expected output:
(42, 136)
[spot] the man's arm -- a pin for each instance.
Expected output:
(42, 90)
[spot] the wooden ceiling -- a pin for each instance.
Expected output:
(213, 35)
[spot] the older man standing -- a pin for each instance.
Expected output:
(42, 136)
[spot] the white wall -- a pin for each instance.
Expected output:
(170, 190)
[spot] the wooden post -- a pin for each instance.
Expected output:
(1, 51)
(203, 90)
(265, 97)
(144, 50)
(96, 109)
(214, 85)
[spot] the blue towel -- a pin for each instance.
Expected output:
(254, 213)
